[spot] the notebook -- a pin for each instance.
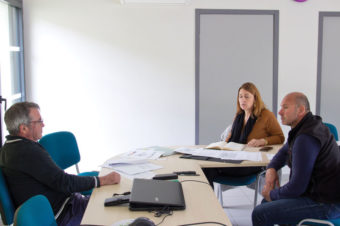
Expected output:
(156, 195)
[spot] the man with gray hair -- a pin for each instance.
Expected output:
(313, 156)
(30, 170)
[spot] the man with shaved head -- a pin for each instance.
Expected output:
(313, 156)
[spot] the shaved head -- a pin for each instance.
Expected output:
(294, 107)
(300, 99)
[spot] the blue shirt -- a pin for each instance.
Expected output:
(304, 153)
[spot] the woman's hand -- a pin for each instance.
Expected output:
(257, 142)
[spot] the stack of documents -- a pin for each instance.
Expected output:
(222, 145)
(153, 152)
(230, 155)
(135, 163)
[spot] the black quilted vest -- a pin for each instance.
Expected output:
(324, 185)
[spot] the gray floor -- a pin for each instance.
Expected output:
(239, 201)
(238, 205)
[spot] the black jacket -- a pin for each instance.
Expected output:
(324, 185)
(30, 170)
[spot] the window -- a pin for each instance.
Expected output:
(12, 85)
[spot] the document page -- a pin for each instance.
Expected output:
(135, 168)
(142, 154)
(231, 155)
(270, 156)
(222, 145)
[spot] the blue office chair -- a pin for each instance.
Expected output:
(6, 204)
(333, 130)
(237, 181)
(315, 222)
(63, 148)
(35, 211)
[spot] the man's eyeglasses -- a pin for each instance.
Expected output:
(37, 121)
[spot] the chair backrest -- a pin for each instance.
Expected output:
(333, 130)
(6, 204)
(63, 148)
(35, 211)
(225, 133)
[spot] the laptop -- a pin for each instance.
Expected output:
(156, 195)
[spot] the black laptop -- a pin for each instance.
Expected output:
(156, 195)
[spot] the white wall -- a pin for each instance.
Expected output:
(123, 76)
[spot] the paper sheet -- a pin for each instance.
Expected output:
(270, 156)
(142, 154)
(133, 169)
(232, 155)
(145, 175)
(126, 161)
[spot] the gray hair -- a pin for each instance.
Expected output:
(301, 99)
(17, 115)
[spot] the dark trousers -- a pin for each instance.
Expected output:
(212, 173)
(74, 210)
(291, 211)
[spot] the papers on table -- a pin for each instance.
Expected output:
(127, 161)
(135, 168)
(338, 142)
(138, 169)
(164, 150)
(145, 175)
(135, 163)
(222, 145)
(231, 155)
(153, 152)
(142, 154)
(270, 156)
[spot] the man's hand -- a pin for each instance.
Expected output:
(266, 193)
(111, 178)
(272, 181)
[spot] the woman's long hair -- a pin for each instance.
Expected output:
(258, 102)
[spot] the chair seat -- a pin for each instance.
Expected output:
(336, 222)
(236, 181)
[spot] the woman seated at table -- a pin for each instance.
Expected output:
(253, 125)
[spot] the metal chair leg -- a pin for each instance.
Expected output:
(219, 192)
(256, 189)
